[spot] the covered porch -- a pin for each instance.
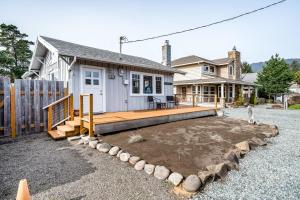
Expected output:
(206, 92)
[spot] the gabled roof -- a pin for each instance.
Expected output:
(90, 53)
(249, 77)
(189, 60)
(222, 61)
(193, 59)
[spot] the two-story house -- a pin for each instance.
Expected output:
(205, 78)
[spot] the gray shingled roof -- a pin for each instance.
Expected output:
(196, 59)
(249, 77)
(222, 61)
(216, 80)
(90, 53)
(189, 59)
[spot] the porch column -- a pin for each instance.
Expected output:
(201, 92)
(256, 92)
(249, 91)
(222, 102)
(242, 90)
(233, 92)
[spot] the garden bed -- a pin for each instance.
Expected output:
(188, 146)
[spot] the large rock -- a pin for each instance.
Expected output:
(93, 144)
(275, 130)
(192, 183)
(206, 176)
(103, 147)
(149, 168)
(231, 165)
(124, 157)
(119, 153)
(87, 139)
(114, 151)
(243, 146)
(220, 170)
(231, 156)
(175, 178)
(140, 165)
(220, 113)
(161, 172)
(73, 138)
(134, 159)
(80, 142)
(254, 142)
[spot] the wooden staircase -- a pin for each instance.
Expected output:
(71, 128)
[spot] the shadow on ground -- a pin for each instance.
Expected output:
(42, 161)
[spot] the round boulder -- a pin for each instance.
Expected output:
(161, 172)
(140, 165)
(192, 183)
(206, 176)
(103, 147)
(134, 159)
(175, 178)
(124, 157)
(93, 144)
(149, 168)
(243, 146)
(114, 150)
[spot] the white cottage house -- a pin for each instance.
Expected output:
(117, 82)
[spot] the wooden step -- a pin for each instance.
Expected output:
(56, 135)
(73, 123)
(65, 128)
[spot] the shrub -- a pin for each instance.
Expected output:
(253, 99)
(135, 139)
(295, 107)
(240, 99)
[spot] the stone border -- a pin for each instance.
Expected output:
(191, 184)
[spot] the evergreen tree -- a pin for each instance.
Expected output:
(15, 53)
(246, 68)
(276, 77)
(297, 77)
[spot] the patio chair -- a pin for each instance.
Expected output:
(153, 101)
(170, 101)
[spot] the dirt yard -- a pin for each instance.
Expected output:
(190, 145)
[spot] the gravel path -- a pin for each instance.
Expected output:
(271, 172)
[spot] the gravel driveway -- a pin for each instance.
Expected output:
(271, 172)
(58, 170)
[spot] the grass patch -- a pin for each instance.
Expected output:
(295, 107)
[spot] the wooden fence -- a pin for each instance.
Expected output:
(21, 105)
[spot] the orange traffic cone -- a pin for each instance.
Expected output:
(23, 191)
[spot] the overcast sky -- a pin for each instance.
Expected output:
(100, 23)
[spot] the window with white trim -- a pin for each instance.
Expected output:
(144, 84)
(147, 84)
(91, 78)
(212, 69)
(135, 83)
(205, 90)
(206, 68)
(158, 85)
(194, 89)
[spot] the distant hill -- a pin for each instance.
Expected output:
(256, 67)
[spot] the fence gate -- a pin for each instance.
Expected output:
(21, 105)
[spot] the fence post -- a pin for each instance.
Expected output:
(13, 111)
(71, 107)
(81, 112)
(65, 103)
(91, 123)
(50, 110)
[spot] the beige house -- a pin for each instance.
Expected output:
(205, 78)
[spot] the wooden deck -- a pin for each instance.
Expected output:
(118, 121)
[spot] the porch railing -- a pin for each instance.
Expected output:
(195, 99)
(60, 111)
(89, 120)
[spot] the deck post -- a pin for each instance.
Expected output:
(50, 110)
(71, 104)
(193, 100)
(12, 111)
(91, 123)
(81, 112)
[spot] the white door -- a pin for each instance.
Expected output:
(92, 83)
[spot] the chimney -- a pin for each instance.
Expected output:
(236, 56)
(166, 54)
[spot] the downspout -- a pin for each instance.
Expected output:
(72, 63)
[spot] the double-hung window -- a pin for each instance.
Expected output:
(158, 85)
(231, 70)
(148, 86)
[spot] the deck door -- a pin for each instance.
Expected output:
(92, 83)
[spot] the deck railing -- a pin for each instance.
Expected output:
(60, 111)
(90, 115)
(195, 99)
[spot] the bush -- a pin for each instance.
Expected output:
(240, 99)
(253, 99)
(295, 107)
